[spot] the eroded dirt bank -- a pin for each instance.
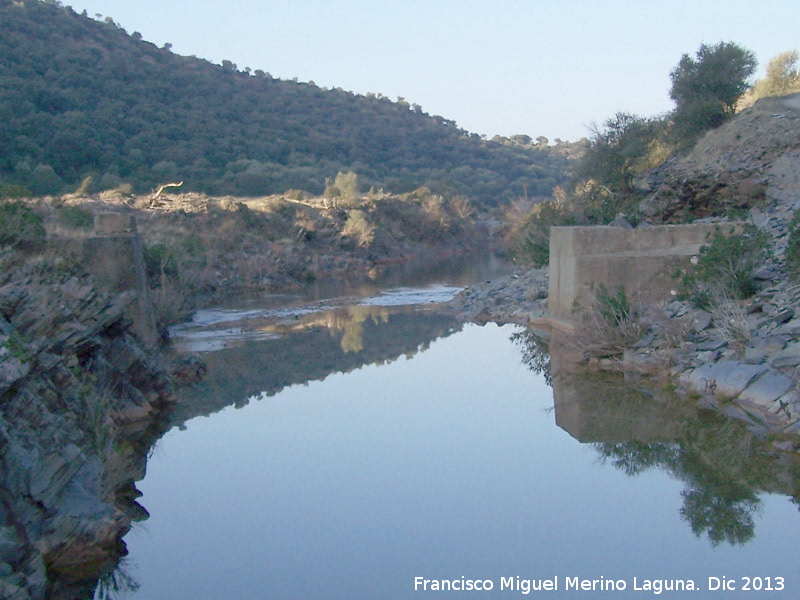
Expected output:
(199, 248)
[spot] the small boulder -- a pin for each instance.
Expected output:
(766, 389)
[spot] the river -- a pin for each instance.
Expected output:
(370, 445)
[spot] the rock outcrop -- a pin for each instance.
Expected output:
(517, 298)
(81, 391)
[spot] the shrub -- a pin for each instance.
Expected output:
(793, 249)
(359, 228)
(528, 241)
(616, 152)
(94, 406)
(731, 322)
(161, 262)
(344, 187)
(18, 223)
(11, 190)
(609, 325)
(615, 309)
(461, 207)
(783, 77)
(726, 265)
(83, 188)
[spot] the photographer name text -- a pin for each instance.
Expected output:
(557, 583)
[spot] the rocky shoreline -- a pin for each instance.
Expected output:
(82, 391)
(520, 297)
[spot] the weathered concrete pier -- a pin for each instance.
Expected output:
(643, 261)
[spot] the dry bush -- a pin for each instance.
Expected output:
(672, 332)
(226, 203)
(730, 321)
(461, 207)
(358, 228)
(305, 226)
(433, 207)
(610, 325)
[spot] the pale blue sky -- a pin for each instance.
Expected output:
(495, 67)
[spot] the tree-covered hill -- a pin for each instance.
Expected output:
(80, 97)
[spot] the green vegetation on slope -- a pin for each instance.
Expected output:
(80, 98)
(707, 89)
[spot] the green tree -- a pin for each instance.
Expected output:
(706, 88)
(117, 105)
(783, 77)
(617, 152)
(345, 187)
(44, 180)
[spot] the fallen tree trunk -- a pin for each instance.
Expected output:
(154, 198)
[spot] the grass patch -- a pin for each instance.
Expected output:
(609, 326)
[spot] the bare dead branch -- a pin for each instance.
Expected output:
(154, 198)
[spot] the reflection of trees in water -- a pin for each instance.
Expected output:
(725, 513)
(352, 320)
(633, 458)
(116, 584)
(309, 348)
(535, 353)
(722, 465)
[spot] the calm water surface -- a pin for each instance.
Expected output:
(443, 460)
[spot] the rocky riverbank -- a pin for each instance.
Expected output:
(749, 374)
(520, 297)
(87, 286)
(82, 389)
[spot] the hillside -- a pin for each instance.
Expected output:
(750, 161)
(80, 98)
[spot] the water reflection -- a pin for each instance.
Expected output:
(116, 584)
(446, 465)
(277, 349)
(723, 465)
(725, 470)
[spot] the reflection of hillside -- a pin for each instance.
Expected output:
(723, 465)
(311, 347)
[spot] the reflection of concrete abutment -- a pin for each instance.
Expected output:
(643, 261)
(593, 408)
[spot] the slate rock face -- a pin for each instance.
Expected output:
(73, 369)
(765, 390)
(727, 378)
